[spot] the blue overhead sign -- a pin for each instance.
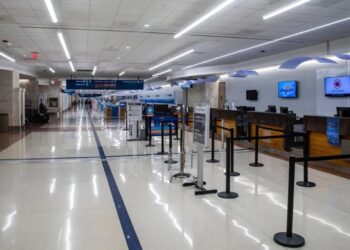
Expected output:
(105, 84)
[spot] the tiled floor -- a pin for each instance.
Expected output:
(53, 203)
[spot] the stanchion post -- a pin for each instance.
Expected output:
(162, 152)
(232, 154)
(306, 154)
(289, 239)
(256, 155)
(170, 158)
(137, 130)
(177, 129)
(150, 133)
(213, 128)
(227, 194)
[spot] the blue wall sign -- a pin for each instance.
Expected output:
(105, 84)
(332, 131)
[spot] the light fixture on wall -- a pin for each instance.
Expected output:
(269, 42)
(204, 18)
(285, 9)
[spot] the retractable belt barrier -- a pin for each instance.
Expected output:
(288, 238)
(150, 133)
(170, 155)
(162, 152)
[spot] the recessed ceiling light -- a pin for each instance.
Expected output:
(119, 58)
(7, 57)
(162, 73)
(52, 70)
(127, 47)
(71, 66)
(51, 10)
(285, 9)
(147, 25)
(122, 73)
(94, 70)
(204, 17)
(63, 44)
(171, 59)
(269, 42)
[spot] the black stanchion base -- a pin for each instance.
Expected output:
(233, 174)
(294, 241)
(126, 129)
(170, 161)
(306, 184)
(256, 165)
(230, 195)
(213, 161)
(180, 176)
(150, 145)
(162, 153)
(204, 191)
(194, 183)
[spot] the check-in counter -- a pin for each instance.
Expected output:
(316, 126)
(278, 121)
(227, 119)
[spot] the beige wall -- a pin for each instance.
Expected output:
(203, 93)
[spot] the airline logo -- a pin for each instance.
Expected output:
(337, 84)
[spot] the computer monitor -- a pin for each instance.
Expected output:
(343, 111)
(284, 110)
(271, 108)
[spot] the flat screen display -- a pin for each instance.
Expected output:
(252, 95)
(288, 89)
(337, 86)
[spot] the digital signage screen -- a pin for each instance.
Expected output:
(337, 86)
(288, 89)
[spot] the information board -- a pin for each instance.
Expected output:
(105, 84)
(201, 124)
(134, 111)
(332, 131)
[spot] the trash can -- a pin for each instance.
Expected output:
(4, 122)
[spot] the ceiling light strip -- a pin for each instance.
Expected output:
(162, 73)
(204, 18)
(122, 73)
(71, 66)
(63, 44)
(269, 42)
(172, 59)
(94, 70)
(52, 70)
(51, 10)
(285, 9)
(7, 57)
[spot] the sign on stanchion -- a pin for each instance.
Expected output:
(134, 115)
(200, 137)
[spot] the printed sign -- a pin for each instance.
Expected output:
(134, 111)
(333, 131)
(105, 84)
(201, 124)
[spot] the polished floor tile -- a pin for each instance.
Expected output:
(67, 203)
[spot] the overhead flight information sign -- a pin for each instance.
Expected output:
(105, 84)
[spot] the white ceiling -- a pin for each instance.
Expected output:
(98, 31)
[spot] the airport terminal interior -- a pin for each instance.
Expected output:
(174, 124)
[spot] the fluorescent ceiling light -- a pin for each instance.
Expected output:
(128, 47)
(172, 59)
(94, 70)
(147, 25)
(269, 42)
(64, 45)
(52, 70)
(162, 73)
(204, 17)
(122, 73)
(285, 9)
(51, 11)
(7, 57)
(71, 66)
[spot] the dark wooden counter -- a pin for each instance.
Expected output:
(319, 124)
